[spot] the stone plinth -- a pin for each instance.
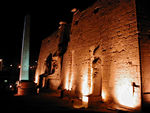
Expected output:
(26, 88)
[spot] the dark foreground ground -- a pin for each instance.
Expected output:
(42, 103)
(46, 102)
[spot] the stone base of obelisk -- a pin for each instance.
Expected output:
(26, 88)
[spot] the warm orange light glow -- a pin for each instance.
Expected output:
(67, 82)
(36, 79)
(91, 77)
(71, 72)
(85, 87)
(69, 76)
(85, 90)
(43, 82)
(84, 104)
(87, 84)
(85, 101)
(124, 93)
(70, 82)
(103, 95)
(19, 66)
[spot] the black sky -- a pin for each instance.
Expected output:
(45, 18)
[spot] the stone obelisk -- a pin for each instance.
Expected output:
(24, 70)
(25, 85)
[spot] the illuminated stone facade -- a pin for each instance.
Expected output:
(106, 55)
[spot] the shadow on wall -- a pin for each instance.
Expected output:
(52, 63)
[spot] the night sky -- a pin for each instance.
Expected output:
(45, 18)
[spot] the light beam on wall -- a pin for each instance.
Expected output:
(124, 93)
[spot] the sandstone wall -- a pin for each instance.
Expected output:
(104, 51)
(108, 41)
(49, 45)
